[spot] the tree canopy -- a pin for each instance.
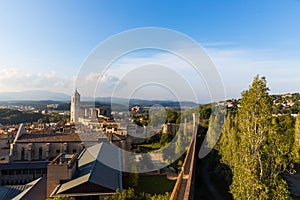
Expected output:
(254, 148)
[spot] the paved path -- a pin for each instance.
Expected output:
(183, 193)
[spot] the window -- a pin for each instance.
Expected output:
(74, 150)
(40, 153)
(57, 151)
(22, 153)
(44, 171)
(38, 171)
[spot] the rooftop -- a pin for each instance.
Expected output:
(64, 159)
(94, 167)
(34, 189)
(48, 137)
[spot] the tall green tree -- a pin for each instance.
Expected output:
(228, 142)
(133, 177)
(215, 126)
(282, 139)
(256, 161)
(179, 148)
(297, 139)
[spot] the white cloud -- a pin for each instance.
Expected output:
(96, 84)
(13, 79)
(237, 67)
(179, 73)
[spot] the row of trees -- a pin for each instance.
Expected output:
(257, 147)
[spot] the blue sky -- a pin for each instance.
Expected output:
(44, 43)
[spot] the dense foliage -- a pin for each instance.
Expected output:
(256, 147)
(8, 116)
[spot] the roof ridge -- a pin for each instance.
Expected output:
(95, 161)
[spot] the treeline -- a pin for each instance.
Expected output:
(8, 116)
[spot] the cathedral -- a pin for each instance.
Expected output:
(86, 114)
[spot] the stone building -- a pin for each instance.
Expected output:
(84, 114)
(170, 128)
(43, 146)
(94, 174)
(7, 137)
(30, 153)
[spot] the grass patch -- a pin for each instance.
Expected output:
(144, 148)
(155, 184)
(152, 146)
(152, 184)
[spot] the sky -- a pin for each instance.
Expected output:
(45, 44)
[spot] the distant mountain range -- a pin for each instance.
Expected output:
(34, 95)
(45, 97)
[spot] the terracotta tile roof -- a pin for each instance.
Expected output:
(48, 137)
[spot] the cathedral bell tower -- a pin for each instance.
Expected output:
(75, 107)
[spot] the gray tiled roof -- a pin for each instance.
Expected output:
(93, 136)
(94, 167)
(9, 192)
(36, 190)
